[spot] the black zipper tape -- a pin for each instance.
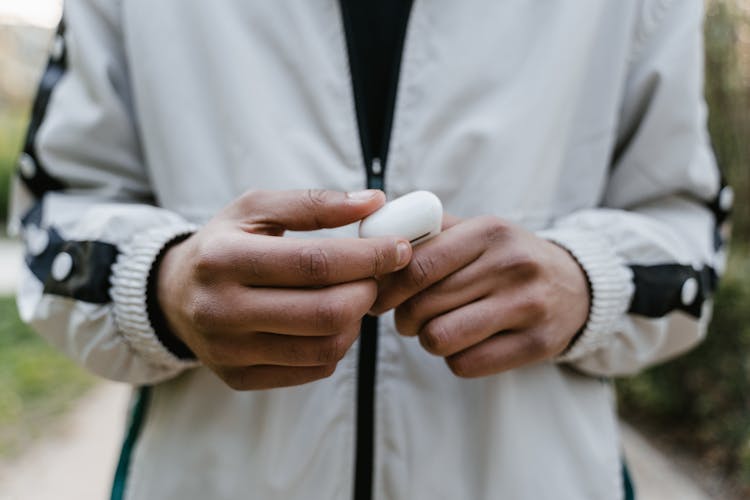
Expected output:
(368, 343)
(365, 444)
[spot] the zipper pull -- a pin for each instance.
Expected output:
(375, 179)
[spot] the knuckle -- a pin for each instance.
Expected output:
(379, 260)
(520, 265)
(350, 308)
(207, 261)
(539, 343)
(316, 197)
(365, 298)
(410, 309)
(405, 319)
(249, 196)
(525, 265)
(204, 311)
(533, 307)
(239, 380)
(495, 230)
(420, 270)
(327, 370)
(460, 366)
(315, 200)
(295, 353)
(255, 266)
(435, 338)
(328, 316)
(248, 201)
(333, 349)
(313, 263)
(214, 353)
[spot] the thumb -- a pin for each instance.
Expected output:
(306, 210)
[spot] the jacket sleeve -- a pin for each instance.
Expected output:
(84, 207)
(653, 250)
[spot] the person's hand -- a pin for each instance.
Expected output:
(263, 311)
(488, 296)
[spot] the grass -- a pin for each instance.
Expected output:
(37, 383)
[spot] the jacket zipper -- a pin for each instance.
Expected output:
(374, 163)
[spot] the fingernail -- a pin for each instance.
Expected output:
(403, 253)
(364, 195)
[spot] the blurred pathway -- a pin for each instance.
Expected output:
(654, 474)
(77, 459)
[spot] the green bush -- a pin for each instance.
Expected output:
(702, 400)
(12, 130)
(728, 95)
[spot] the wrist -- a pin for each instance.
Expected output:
(609, 281)
(577, 282)
(160, 296)
(130, 287)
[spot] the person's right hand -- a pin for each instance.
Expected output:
(263, 311)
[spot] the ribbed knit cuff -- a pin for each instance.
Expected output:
(611, 283)
(129, 289)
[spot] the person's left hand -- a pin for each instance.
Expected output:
(488, 296)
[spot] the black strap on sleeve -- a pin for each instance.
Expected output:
(661, 289)
(31, 170)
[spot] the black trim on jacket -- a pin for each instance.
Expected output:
(91, 262)
(36, 178)
(664, 288)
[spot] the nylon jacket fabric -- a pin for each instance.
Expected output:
(583, 121)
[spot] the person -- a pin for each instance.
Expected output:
(187, 197)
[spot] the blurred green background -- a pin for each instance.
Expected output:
(699, 402)
(37, 383)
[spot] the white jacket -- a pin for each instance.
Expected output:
(583, 121)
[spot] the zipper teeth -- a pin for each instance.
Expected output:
(394, 83)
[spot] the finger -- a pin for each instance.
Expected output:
(437, 300)
(305, 210)
(449, 221)
(261, 260)
(307, 312)
(471, 324)
(269, 377)
(488, 274)
(280, 350)
(480, 278)
(502, 352)
(431, 262)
